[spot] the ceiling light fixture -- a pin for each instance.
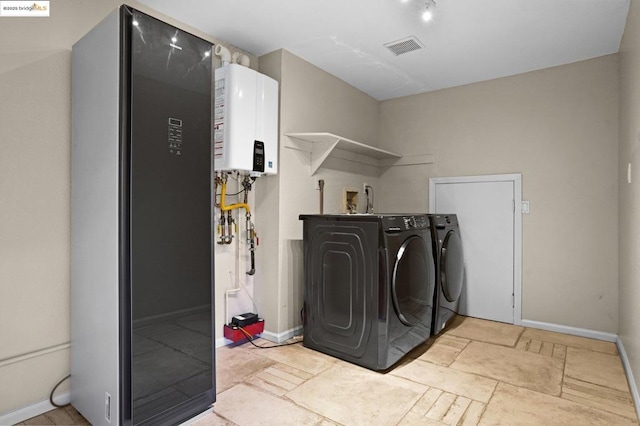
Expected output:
(430, 6)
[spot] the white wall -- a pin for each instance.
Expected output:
(35, 77)
(559, 128)
(629, 193)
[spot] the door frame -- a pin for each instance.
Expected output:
(516, 179)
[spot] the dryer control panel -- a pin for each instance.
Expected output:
(442, 221)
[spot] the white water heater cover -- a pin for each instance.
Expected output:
(245, 121)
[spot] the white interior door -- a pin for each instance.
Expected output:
(487, 208)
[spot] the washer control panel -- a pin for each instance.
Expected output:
(405, 222)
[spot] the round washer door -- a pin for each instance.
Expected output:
(412, 282)
(451, 266)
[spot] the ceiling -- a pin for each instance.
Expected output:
(467, 41)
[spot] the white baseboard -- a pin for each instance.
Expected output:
(627, 370)
(284, 336)
(33, 410)
(575, 331)
(223, 341)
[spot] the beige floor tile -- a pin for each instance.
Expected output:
(425, 403)
(546, 349)
(523, 343)
(297, 356)
(60, 416)
(559, 351)
(438, 407)
(441, 407)
(534, 346)
(512, 405)
(532, 371)
(275, 380)
(302, 375)
(213, 419)
(456, 411)
(246, 405)
(572, 341)
(233, 365)
(472, 415)
(471, 386)
(452, 341)
(66, 415)
(413, 419)
(283, 374)
(595, 367)
(352, 395)
(440, 354)
(486, 331)
(267, 386)
(541, 347)
(39, 420)
(278, 379)
(75, 416)
(612, 400)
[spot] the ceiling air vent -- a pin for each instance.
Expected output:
(406, 45)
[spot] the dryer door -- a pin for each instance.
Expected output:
(451, 266)
(412, 282)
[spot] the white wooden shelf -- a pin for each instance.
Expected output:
(323, 145)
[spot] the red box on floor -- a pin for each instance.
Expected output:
(234, 334)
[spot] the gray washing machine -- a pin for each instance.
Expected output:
(449, 261)
(369, 286)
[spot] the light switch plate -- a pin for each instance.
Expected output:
(525, 207)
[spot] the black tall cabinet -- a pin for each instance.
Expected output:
(142, 255)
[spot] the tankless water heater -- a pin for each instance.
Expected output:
(245, 121)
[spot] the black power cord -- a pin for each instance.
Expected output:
(54, 389)
(250, 338)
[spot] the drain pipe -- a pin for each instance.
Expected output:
(223, 53)
(240, 59)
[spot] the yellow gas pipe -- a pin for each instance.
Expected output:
(224, 207)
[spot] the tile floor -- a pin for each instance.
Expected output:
(477, 372)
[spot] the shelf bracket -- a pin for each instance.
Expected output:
(319, 153)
